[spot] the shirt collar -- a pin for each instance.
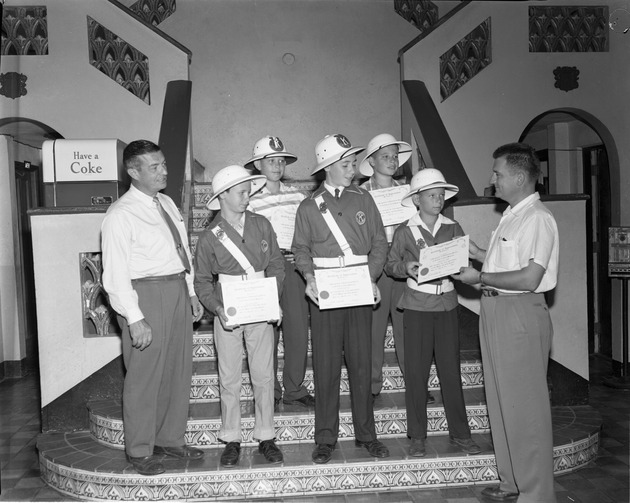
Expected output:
(417, 220)
(141, 196)
(265, 190)
(324, 188)
(528, 201)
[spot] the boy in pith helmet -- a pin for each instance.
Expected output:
(238, 246)
(278, 202)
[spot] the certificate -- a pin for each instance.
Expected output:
(443, 259)
(344, 287)
(283, 223)
(250, 301)
(388, 203)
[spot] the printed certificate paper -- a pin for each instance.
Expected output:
(344, 287)
(388, 203)
(283, 222)
(251, 301)
(443, 259)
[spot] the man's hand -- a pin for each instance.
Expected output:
(141, 335)
(476, 253)
(377, 293)
(197, 308)
(412, 269)
(468, 275)
(311, 289)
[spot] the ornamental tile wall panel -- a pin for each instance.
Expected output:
(154, 11)
(423, 14)
(24, 31)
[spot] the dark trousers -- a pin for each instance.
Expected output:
(428, 333)
(336, 333)
(294, 335)
(156, 390)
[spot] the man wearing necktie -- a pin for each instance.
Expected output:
(149, 280)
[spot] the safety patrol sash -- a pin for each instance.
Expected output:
(231, 247)
(334, 228)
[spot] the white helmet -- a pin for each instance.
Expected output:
(270, 146)
(331, 149)
(229, 177)
(425, 179)
(377, 143)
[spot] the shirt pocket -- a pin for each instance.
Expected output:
(507, 256)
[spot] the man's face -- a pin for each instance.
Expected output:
(149, 173)
(385, 160)
(272, 167)
(236, 199)
(341, 173)
(506, 183)
(429, 202)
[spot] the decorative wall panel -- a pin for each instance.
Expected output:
(154, 11)
(568, 29)
(119, 60)
(24, 31)
(465, 59)
(99, 319)
(423, 14)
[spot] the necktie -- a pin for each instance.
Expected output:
(336, 193)
(176, 237)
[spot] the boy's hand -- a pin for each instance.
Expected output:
(412, 269)
(311, 289)
(279, 320)
(377, 293)
(224, 319)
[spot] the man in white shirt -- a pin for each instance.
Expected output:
(149, 280)
(519, 266)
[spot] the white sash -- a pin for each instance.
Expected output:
(334, 228)
(231, 247)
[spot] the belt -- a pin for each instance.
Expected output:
(491, 292)
(168, 277)
(446, 286)
(231, 278)
(341, 261)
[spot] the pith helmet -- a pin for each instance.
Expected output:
(270, 146)
(332, 148)
(425, 179)
(229, 177)
(377, 143)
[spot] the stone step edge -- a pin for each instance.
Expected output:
(205, 388)
(293, 428)
(287, 481)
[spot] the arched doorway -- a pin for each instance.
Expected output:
(578, 156)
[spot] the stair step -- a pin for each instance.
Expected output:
(81, 467)
(294, 423)
(205, 381)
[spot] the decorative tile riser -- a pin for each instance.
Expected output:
(294, 429)
(205, 388)
(281, 481)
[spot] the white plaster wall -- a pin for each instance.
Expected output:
(65, 357)
(569, 309)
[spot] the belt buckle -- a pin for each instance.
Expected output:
(438, 289)
(342, 261)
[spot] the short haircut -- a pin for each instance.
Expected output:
(520, 157)
(135, 149)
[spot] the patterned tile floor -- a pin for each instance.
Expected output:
(604, 480)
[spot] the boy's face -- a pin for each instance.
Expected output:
(385, 160)
(341, 173)
(272, 167)
(236, 199)
(429, 202)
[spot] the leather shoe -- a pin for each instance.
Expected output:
(185, 452)
(417, 448)
(374, 447)
(146, 465)
(322, 453)
(430, 398)
(270, 450)
(467, 445)
(230, 454)
(497, 494)
(306, 401)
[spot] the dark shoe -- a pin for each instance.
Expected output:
(270, 450)
(146, 465)
(306, 401)
(374, 447)
(467, 445)
(230, 454)
(322, 453)
(430, 398)
(496, 494)
(417, 448)
(276, 404)
(185, 452)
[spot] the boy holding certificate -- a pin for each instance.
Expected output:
(239, 246)
(430, 313)
(278, 202)
(339, 229)
(384, 155)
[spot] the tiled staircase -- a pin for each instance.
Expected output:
(91, 464)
